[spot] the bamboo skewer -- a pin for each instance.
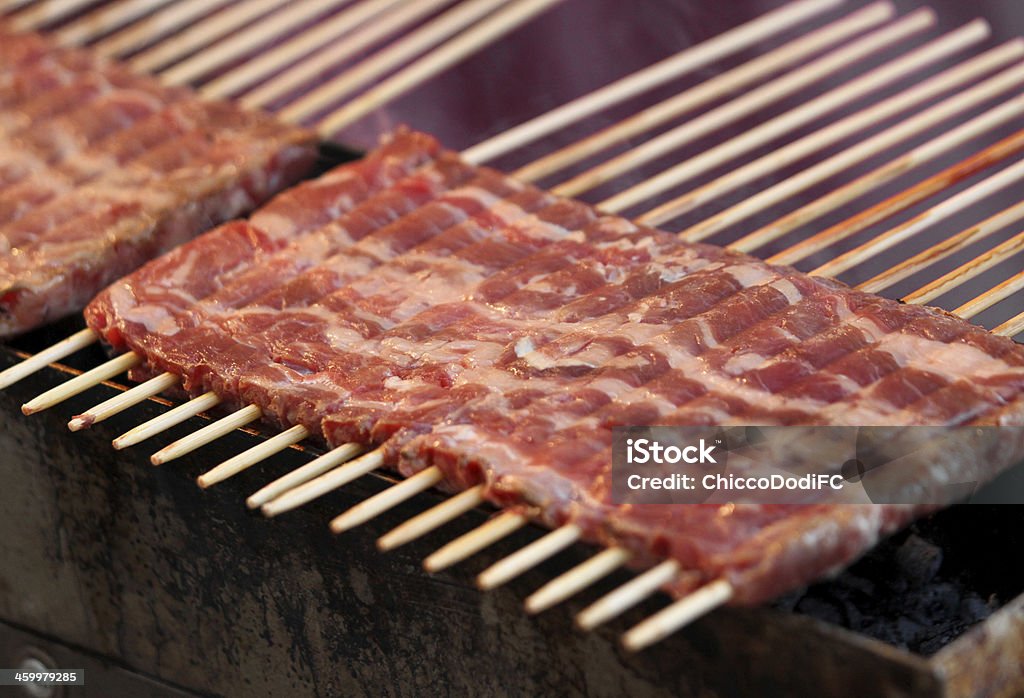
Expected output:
(754, 101)
(749, 73)
(301, 475)
(387, 499)
(120, 403)
(13, 5)
(254, 455)
(329, 481)
(873, 146)
(778, 126)
(814, 142)
(468, 544)
(45, 13)
(208, 434)
(373, 18)
(943, 249)
(168, 420)
(528, 557)
(80, 383)
(992, 296)
(389, 58)
(673, 617)
(947, 208)
(887, 173)
(435, 517)
(991, 155)
(577, 579)
(1012, 327)
(682, 63)
(628, 595)
(61, 350)
(239, 44)
(181, 44)
(105, 19)
(158, 26)
(298, 75)
(468, 42)
(967, 271)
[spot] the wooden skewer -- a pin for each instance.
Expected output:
(827, 135)
(329, 481)
(992, 296)
(483, 536)
(432, 518)
(80, 383)
(308, 41)
(676, 615)
(387, 59)
(202, 34)
(208, 434)
(628, 595)
(45, 13)
(944, 249)
(751, 103)
(123, 401)
(947, 208)
(682, 63)
(1012, 327)
(240, 43)
(750, 73)
(772, 129)
(967, 271)
(105, 19)
(319, 63)
(879, 177)
(61, 350)
(169, 419)
(387, 499)
(919, 192)
(884, 142)
(527, 557)
(468, 42)
(252, 456)
(576, 580)
(328, 461)
(158, 26)
(13, 5)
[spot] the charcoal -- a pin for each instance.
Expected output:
(919, 560)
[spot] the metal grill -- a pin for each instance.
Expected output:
(816, 114)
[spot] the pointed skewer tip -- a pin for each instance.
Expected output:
(79, 423)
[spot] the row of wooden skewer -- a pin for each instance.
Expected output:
(348, 462)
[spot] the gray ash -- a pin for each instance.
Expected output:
(924, 587)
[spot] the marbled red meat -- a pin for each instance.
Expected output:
(104, 169)
(500, 334)
(161, 293)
